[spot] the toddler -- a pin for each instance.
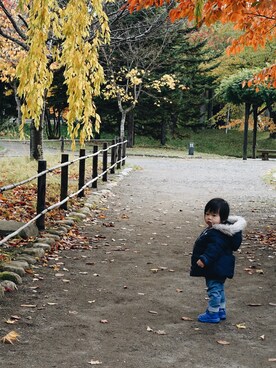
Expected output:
(213, 257)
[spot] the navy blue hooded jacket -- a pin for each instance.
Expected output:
(215, 247)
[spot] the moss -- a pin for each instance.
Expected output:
(11, 276)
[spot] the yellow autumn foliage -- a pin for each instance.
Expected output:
(78, 55)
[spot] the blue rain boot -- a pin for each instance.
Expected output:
(209, 317)
(222, 313)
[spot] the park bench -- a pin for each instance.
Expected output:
(266, 153)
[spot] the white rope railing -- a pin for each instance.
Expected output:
(58, 204)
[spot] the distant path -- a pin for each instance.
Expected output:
(19, 148)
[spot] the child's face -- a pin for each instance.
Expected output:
(211, 218)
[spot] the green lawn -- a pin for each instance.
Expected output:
(212, 142)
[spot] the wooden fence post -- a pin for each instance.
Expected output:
(41, 194)
(95, 167)
(105, 161)
(64, 181)
(119, 153)
(124, 153)
(81, 172)
(113, 157)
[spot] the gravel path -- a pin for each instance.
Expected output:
(125, 298)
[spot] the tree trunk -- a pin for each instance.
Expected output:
(130, 129)
(210, 95)
(202, 118)
(174, 119)
(122, 124)
(272, 115)
(245, 132)
(163, 137)
(18, 103)
(36, 150)
(36, 135)
(255, 127)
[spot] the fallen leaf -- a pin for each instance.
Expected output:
(28, 305)
(179, 290)
(52, 303)
(160, 332)
(186, 319)
(154, 270)
(272, 304)
(149, 329)
(108, 224)
(254, 304)
(11, 321)
(103, 321)
(15, 317)
(241, 326)
(153, 312)
(262, 337)
(223, 342)
(10, 338)
(29, 271)
(272, 359)
(94, 362)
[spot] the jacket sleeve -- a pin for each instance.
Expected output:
(214, 248)
(236, 241)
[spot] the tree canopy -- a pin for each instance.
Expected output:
(256, 21)
(58, 34)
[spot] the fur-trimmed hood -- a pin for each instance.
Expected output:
(234, 225)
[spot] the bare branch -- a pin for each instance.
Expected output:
(12, 21)
(15, 40)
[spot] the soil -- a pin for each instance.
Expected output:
(123, 297)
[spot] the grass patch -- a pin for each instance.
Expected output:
(211, 142)
(19, 203)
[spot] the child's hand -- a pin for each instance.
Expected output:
(200, 263)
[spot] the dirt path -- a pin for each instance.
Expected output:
(120, 303)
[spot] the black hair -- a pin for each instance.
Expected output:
(220, 206)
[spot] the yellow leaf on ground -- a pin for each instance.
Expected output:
(241, 326)
(10, 338)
